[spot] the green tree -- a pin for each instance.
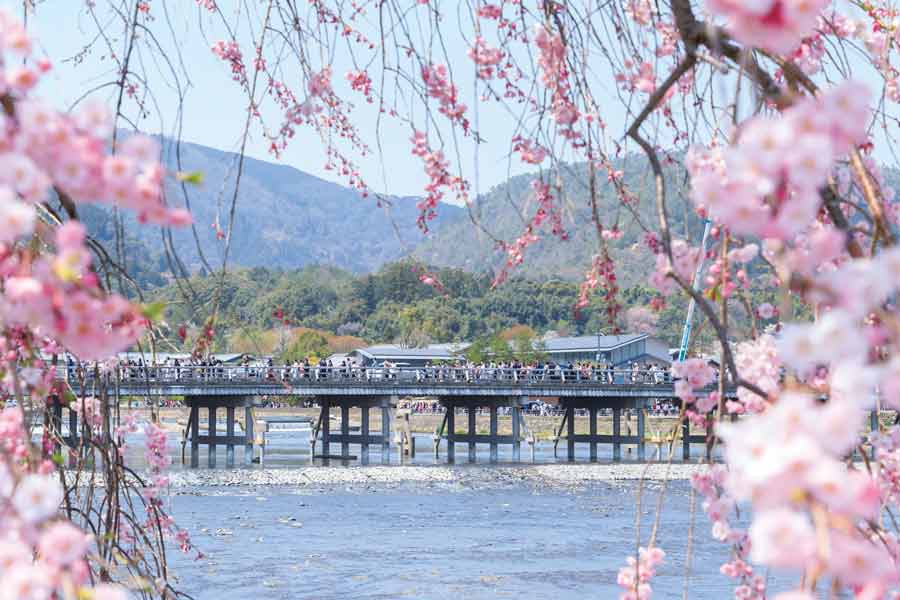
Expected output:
(307, 344)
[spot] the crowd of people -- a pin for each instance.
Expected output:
(312, 369)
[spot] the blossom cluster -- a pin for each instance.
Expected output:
(546, 210)
(787, 461)
(776, 25)
(41, 555)
(757, 361)
(691, 375)
(683, 263)
(440, 180)
(768, 182)
(529, 151)
(51, 301)
(720, 508)
(230, 52)
(602, 274)
(555, 77)
(635, 576)
(57, 295)
(439, 86)
(485, 57)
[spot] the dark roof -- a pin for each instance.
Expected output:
(398, 352)
(644, 357)
(590, 342)
(163, 356)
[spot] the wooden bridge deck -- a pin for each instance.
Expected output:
(369, 382)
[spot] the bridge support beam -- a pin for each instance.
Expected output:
(345, 431)
(617, 433)
(364, 433)
(248, 435)
(386, 410)
(471, 410)
(212, 439)
(451, 432)
(515, 411)
(642, 441)
(471, 437)
(347, 435)
(493, 430)
(594, 437)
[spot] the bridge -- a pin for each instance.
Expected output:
(470, 388)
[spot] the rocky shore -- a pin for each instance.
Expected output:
(469, 476)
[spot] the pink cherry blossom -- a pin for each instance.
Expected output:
(25, 582)
(769, 531)
(765, 311)
(62, 544)
(776, 25)
(16, 218)
(36, 498)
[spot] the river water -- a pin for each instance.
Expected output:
(437, 541)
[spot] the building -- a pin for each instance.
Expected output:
(232, 358)
(617, 350)
(414, 357)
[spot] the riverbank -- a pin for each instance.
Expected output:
(465, 476)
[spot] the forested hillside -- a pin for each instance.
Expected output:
(505, 210)
(284, 218)
(266, 310)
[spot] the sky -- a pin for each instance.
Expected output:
(214, 106)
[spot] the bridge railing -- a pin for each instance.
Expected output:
(381, 375)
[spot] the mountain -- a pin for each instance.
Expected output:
(284, 218)
(505, 210)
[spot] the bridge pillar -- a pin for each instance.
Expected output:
(470, 436)
(345, 430)
(451, 432)
(212, 439)
(471, 409)
(229, 431)
(345, 437)
(325, 414)
(594, 437)
(364, 434)
(617, 433)
(493, 430)
(248, 435)
(211, 445)
(516, 411)
(194, 433)
(386, 404)
(641, 442)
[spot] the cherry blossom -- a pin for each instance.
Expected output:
(775, 169)
(776, 25)
(635, 576)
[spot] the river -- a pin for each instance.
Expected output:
(437, 541)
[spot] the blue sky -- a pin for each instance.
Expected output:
(214, 107)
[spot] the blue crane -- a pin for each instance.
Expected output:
(686, 332)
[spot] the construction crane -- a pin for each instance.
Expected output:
(695, 284)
